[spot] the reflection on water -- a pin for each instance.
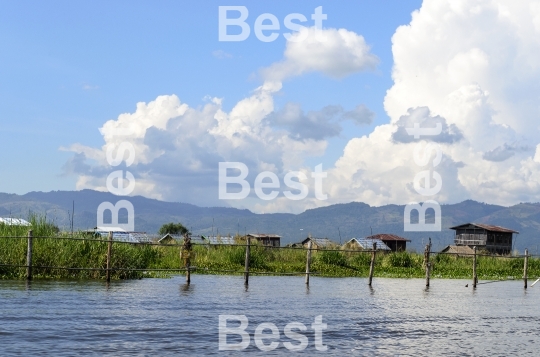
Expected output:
(186, 289)
(167, 317)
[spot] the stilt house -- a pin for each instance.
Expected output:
(495, 239)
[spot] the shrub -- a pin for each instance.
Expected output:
(444, 258)
(237, 256)
(399, 260)
(361, 259)
(332, 257)
(173, 228)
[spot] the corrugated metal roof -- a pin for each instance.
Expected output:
(123, 236)
(263, 235)
(140, 237)
(180, 238)
(14, 222)
(195, 240)
(176, 237)
(109, 229)
(367, 243)
(219, 240)
(321, 242)
(388, 237)
(487, 227)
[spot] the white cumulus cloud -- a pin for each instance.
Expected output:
(469, 65)
(472, 65)
(336, 53)
(178, 147)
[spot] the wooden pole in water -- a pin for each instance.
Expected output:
(308, 262)
(427, 263)
(525, 267)
(186, 252)
(246, 267)
(475, 278)
(29, 257)
(372, 264)
(109, 251)
(188, 271)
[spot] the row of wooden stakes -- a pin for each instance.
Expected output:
(186, 256)
(187, 247)
(427, 266)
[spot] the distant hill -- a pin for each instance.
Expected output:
(337, 222)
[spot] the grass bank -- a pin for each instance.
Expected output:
(210, 260)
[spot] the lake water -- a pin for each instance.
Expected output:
(165, 317)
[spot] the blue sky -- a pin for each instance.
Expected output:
(69, 68)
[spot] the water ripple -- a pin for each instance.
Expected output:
(165, 317)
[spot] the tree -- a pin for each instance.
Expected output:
(173, 228)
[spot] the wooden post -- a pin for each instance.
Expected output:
(308, 262)
(188, 270)
(475, 278)
(29, 257)
(109, 251)
(427, 263)
(246, 268)
(186, 252)
(525, 267)
(372, 264)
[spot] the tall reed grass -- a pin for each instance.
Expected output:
(50, 250)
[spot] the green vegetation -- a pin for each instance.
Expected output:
(91, 252)
(88, 252)
(173, 228)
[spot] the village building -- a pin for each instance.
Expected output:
(458, 251)
(318, 243)
(120, 234)
(179, 238)
(392, 241)
(170, 239)
(494, 239)
(271, 240)
(365, 244)
(218, 240)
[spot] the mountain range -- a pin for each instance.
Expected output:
(338, 222)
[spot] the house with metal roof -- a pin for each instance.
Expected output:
(170, 239)
(495, 239)
(179, 239)
(319, 243)
(14, 222)
(366, 244)
(122, 235)
(218, 240)
(392, 241)
(272, 240)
